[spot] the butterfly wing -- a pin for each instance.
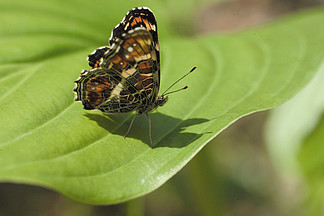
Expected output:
(134, 57)
(126, 75)
(106, 90)
(95, 57)
(127, 79)
(136, 17)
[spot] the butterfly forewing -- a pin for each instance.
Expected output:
(136, 17)
(139, 17)
(136, 60)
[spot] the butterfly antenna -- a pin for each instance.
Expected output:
(164, 93)
(176, 90)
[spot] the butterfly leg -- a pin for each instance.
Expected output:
(150, 129)
(130, 126)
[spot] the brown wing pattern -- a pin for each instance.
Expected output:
(107, 91)
(136, 17)
(135, 59)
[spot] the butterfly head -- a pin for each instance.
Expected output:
(162, 99)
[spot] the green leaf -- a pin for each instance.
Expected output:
(49, 140)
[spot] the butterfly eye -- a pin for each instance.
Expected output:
(162, 99)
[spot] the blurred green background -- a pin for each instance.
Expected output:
(241, 172)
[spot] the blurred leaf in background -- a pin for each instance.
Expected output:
(287, 130)
(48, 140)
(312, 163)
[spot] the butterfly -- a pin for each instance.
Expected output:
(125, 75)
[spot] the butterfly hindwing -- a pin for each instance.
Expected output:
(106, 90)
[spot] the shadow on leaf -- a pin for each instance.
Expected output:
(167, 131)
